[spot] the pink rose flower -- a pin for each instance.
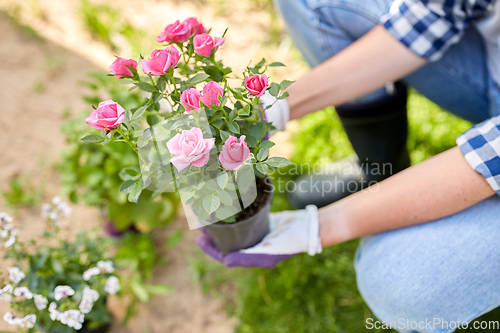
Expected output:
(204, 44)
(108, 115)
(256, 84)
(190, 99)
(195, 26)
(161, 61)
(120, 69)
(234, 154)
(212, 92)
(175, 33)
(190, 148)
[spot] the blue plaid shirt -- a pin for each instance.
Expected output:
(481, 148)
(430, 27)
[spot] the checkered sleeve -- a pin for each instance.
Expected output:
(480, 146)
(430, 27)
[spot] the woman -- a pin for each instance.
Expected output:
(408, 271)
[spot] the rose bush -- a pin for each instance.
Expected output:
(209, 125)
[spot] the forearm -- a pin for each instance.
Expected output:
(366, 65)
(436, 188)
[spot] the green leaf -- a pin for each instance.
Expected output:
(211, 203)
(266, 144)
(284, 95)
(261, 63)
(278, 162)
(161, 83)
(139, 113)
(127, 186)
(225, 197)
(259, 131)
(254, 70)
(263, 154)
(285, 84)
(140, 291)
(251, 142)
(262, 168)
(214, 72)
(92, 139)
(274, 90)
(57, 266)
(276, 64)
(222, 179)
(133, 70)
(129, 173)
(134, 195)
(224, 135)
(235, 128)
(144, 86)
(198, 78)
(188, 195)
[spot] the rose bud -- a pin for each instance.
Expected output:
(108, 115)
(175, 33)
(190, 99)
(161, 61)
(204, 44)
(256, 84)
(234, 154)
(212, 92)
(120, 69)
(195, 26)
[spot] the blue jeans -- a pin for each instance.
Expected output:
(460, 82)
(447, 269)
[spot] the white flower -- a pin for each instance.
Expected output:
(15, 274)
(90, 294)
(106, 266)
(56, 200)
(4, 217)
(64, 209)
(72, 318)
(63, 292)
(10, 319)
(6, 293)
(4, 233)
(46, 208)
(112, 285)
(28, 321)
(53, 312)
(10, 241)
(88, 299)
(90, 273)
(41, 302)
(23, 292)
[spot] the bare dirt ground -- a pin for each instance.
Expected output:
(39, 88)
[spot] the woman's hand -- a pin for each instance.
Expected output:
(291, 232)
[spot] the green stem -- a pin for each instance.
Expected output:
(127, 140)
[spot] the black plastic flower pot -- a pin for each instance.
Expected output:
(229, 237)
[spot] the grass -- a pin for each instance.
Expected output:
(107, 25)
(319, 294)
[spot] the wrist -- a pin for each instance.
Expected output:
(333, 225)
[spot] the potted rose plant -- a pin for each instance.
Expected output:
(211, 146)
(57, 286)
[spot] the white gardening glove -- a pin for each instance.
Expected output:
(291, 232)
(278, 114)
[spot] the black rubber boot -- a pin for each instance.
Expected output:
(378, 133)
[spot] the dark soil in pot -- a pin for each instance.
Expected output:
(251, 226)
